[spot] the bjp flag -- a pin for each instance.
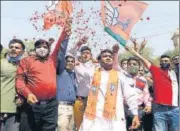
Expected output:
(62, 10)
(120, 16)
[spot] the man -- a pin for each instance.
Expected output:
(124, 64)
(36, 81)
(175, 61)
(66, 90)
(141, 71)
(84, 71)
(105, 110)
(165, 107)
(141, 88)
(26, 114)
(9, 117)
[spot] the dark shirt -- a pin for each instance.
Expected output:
(177, 72)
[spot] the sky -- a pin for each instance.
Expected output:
(158, 30)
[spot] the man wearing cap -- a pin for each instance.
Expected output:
(9, 120)
(36, 81)
(66, 89)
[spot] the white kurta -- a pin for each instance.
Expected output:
(118, 123)
(84, 73)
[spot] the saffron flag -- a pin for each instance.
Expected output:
(57, 16)
(120, 16)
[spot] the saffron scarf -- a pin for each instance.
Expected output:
(110, 97)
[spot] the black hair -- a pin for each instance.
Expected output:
(135, 59)
(17, 41)
(174, 56)
(124, 60)
(69, 56)
(1, 47)
(102, 52)
(41, 41)
(85, 48)
(165, 56)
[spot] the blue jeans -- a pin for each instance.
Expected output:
(10, 123)
(164, 116)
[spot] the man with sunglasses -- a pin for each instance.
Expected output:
(36, 81)
(165, 101)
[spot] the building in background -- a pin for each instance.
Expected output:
(175, 39)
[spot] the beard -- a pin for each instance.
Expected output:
(107, 66)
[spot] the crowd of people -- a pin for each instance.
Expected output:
(57, 90)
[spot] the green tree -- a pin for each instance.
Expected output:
(172, 53)
(147, 53)
(29, 44)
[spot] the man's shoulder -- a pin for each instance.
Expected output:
(5, 63)
(28, 59)
(123, 76)
(154, 68)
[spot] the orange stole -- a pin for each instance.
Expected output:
(110, 98)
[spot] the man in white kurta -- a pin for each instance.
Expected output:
(124, 89)
(84, 70)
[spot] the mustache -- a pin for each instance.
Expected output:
(12, 52)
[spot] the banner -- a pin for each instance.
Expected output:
(120, 16)
(58, 15)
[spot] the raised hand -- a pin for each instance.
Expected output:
(82, 41)
(67, 27)
(51, 40)
(136, 46)
(143, 44)
(115, 48)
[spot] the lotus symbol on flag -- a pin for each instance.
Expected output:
(112, 17)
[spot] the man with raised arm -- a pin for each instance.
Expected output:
(36, 81)
(165, 107)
